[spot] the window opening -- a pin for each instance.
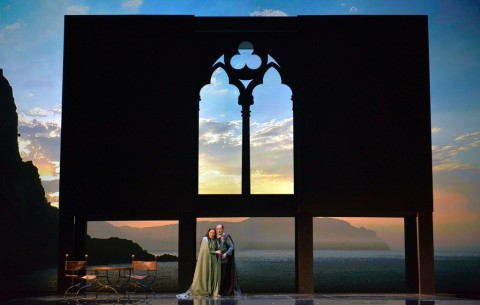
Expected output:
(220, 137)
(114, 242)
(264, 250)
(251, 153)
(357, 254)
(271, 137)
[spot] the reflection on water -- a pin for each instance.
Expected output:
(303, 302)
(334, 272)
(419, 302)
(275, 299)
(208, 301)
(264, 299)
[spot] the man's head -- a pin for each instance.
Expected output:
(219, 229)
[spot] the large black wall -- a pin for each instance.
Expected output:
(129, 120)
(363, 114)
(130, 114)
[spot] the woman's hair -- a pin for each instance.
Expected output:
(210, 229)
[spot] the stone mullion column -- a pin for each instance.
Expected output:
(245, 101)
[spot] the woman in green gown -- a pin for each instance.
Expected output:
(206, 280)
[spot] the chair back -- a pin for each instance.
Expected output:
(75, 265)
(144, 265)
(147, 269)
(75, 268)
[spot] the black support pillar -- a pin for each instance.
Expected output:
(304, 253)
(411, 254)
(425, 253)
(186, 250)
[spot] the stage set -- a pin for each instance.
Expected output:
(361, 126)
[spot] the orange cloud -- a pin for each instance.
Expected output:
(456, 227)
(143, 223)
(389, 230)
(451, 209)
(53, 198)
(159, 223)
(33, 151)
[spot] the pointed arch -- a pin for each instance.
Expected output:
(251, 153)
(220, 137)
(271, 136)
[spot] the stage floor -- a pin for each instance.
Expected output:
(265, 299)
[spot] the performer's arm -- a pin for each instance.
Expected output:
(229, 243)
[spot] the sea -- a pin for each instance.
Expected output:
(335, 271)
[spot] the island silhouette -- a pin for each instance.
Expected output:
(275, 233)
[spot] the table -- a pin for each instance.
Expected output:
(112, 278)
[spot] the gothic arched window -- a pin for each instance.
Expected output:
(246, 127)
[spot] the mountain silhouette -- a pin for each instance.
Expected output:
(116, 250)
(28, 224)
(253, 233)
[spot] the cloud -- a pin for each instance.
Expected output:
(353, 10)
(211, 90)
(224, 133)
(449, 157)
(436, 129)
(268, 13)
(13, 26)
(277, 135)
(219, 85)
(41, 155)
(39, 140)
(73, 9)
(52, 193)
(219, 156)
(40, 123)
(132, 4)
(10, 35)
(466, 136)
(456, 224)
(215, 179)
(53, 198)
(38, 111)
(272, 156)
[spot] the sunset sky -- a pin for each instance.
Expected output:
(31, 55)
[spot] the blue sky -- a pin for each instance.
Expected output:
(31, 46)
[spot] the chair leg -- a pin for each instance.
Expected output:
(146, 288)
(73, 290)
(138, 285)
(84, 289)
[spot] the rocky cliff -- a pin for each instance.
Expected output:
(118, 250)
(28, 224)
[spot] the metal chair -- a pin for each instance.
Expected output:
(77, 277)
(143, 275)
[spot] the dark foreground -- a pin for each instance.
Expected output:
(264, 299)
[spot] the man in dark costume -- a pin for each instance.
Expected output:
(229, 281)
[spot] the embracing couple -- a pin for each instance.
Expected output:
(215, 272)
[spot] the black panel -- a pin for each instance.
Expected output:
(130, 114)
(363, 114)
(129, 121)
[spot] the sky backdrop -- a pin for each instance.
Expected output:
(31, 55)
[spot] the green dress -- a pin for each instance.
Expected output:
(206, 280)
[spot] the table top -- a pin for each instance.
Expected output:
(109, 268)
